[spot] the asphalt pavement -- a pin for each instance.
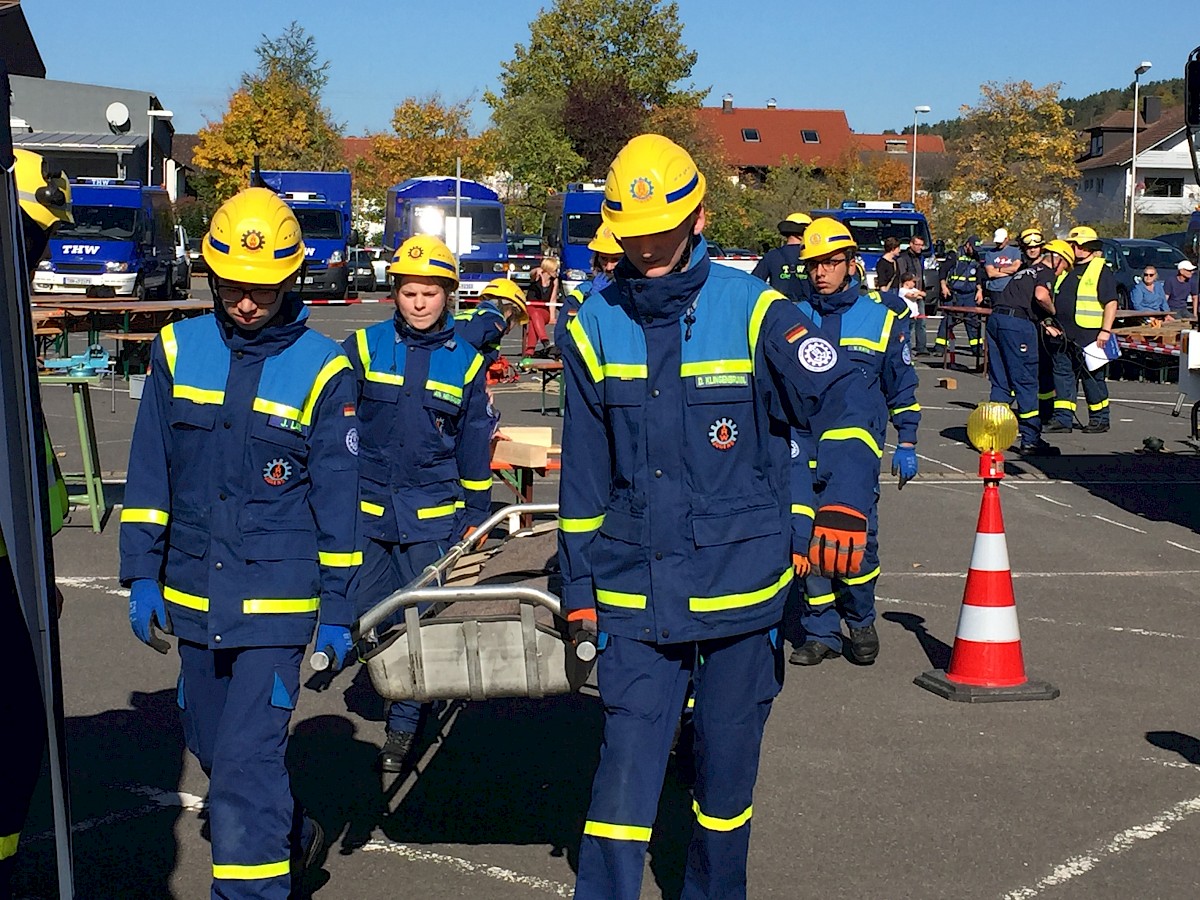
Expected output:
(869, 786)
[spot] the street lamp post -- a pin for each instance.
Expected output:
(1137, 74)
(153, 114)
(917, 110)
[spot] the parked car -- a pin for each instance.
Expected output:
(362, 271)
(1177, 239)
(1127, 257)
(524, 255)
(195, 257)
(734, 257)
(183, 262)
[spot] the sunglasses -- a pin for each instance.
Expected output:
(232, 295)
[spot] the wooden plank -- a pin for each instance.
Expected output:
(950, 384)
(519, 454)
(537, 435)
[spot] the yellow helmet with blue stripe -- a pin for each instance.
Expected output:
(427, 256)
(44, 194)
(254, 238)
(653, 185)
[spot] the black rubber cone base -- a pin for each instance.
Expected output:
(935, 680)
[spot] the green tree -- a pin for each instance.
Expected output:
(292, 54)
(1018, 165)
(630, 52)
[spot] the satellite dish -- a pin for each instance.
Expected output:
(118, 117)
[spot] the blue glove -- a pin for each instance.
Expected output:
(148, 611)
(335, 642)
(904, 464)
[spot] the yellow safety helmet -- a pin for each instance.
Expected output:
(653, 185)
(1062, 248)
(254, 237)
(795, 223)
(425, 255)
(825, 236)
(605, 242)
(1032, 237)
(44, 193)
(508, 292)
(1082, 236)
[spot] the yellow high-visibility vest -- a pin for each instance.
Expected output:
(1089, 313)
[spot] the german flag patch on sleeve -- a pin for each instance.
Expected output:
(795, 333)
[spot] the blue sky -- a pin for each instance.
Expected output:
(876, 60)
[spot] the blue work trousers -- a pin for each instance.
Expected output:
(23, 720)
(1013, 370)
(828, 601)
(643, 688)
(1069, 370)
(386, 568)
(236, 706)
(1047, 347)
(949, 323)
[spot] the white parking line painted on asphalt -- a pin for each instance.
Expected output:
(182, 799)
(1118, 524)
(932, 460)
(1171, 763)
(1182, 547)
(1123, 574)
(557, 888)
(1140, 632)
(91, 583)
(1116, 845)
(160, 800)
(1051, 500)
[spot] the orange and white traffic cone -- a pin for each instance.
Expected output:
(986, 663)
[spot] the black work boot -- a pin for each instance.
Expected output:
(312, 842)
(396, 755)
(1038, 448)
(1095, 428)
(810, 653)
(864, 644)
(1056, 428)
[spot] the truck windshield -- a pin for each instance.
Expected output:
(101, 223)
(487, 222)
(582, 227)
(869, 233)
(320, 224)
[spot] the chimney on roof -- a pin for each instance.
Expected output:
(727, 103)
(1151, 109)
(771, 104)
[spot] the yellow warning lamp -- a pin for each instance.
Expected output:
(991, 429)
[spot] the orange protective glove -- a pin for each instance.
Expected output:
(801, 564)
(839, 541)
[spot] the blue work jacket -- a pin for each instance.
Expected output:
(782, 269)
(425, 458)
(483, 328)
(243, 481)
(674, 514)
(964, 279)
(572, 302)
(871, 330)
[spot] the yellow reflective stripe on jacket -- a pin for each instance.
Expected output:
(471, 485)
(621, 599)
(271, 408)
(764, 301)
(250, 873)
(879, 345)
(197, 395)
(179, 598)
(297, 605)
(853, 434)
(736, 601)
(712, 823)
(373, 509)
(586, 350)
(916, 407)
(799, 509)
(717, 367)
(435, 512)
(145, 516)
(170, 347)
(438, 386)
(862, 579)
(331, 368)
(340, 560)
(364, 357)
(1088, 311)
(8, 844)
(616, 832)
(473, 369)
(580, 526)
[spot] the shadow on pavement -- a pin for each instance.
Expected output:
(1176, 741)
(131, 853)
(937, 651)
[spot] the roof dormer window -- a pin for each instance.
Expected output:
(810, 137)
(750, 135)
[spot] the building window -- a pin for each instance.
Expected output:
(895, 146)
(750, 135)
(1163, 187)
(1097, 145)
(1100, 185)
(1089, 183)
(810, 137)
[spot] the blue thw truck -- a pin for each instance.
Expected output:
(572, 220)
(426, 206)
(122, 243)
(872, 221)
(322, 203)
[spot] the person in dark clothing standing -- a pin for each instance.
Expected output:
(961, 286)
(781, 266)
(885, 269)
(911, 259)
